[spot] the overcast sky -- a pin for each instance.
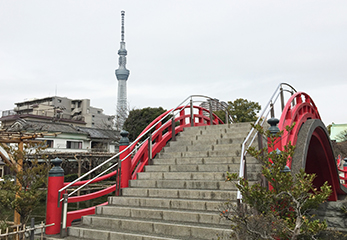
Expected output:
(224, 49)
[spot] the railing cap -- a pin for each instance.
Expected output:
(124, 141)
(273, 125)
(56, 170)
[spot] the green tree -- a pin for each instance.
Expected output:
(32, 177)
(139, 119)
(329, 128)
(241, 110)
(282, 212)
(342, 136)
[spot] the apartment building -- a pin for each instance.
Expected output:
(77, 112)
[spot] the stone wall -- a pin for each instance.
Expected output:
(333, 214)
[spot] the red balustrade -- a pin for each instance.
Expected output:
(130, 167)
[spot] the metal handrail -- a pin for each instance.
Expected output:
(269, 108)
(134, 142)
(173, 112)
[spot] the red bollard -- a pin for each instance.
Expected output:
(53, 212)
(126, 161)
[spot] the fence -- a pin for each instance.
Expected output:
(21, 232)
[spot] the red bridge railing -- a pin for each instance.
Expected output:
(157, 134)
(298, 109)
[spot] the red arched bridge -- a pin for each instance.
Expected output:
(313, 150)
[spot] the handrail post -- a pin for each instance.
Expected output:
(118, 177)
(245, 168)
(282, 98)
(150, 150)
(63, 232)
(272, 110)
(173, 131)
(211, 115)
(126, 161)
(32, 226)
(191, 113)
(53, 210)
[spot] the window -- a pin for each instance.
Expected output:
(49, 143)
(73, 145)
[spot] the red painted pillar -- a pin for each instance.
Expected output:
(201, 114)
(160, 134)
(126, 161)
(345, 168)
(183, 120)
(53, 212)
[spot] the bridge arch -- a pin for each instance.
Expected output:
(314, 153)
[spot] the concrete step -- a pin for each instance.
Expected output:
(183, 184)
(234, 153)
(221, 127)
(162, 228)
(231, 147)
(202, 160)
(202, 147)
(83, 233)
(219, 176)
(162, 214)
(174, 204)
(180, 193)
(197, 137)
(199, 168)
(209, 141)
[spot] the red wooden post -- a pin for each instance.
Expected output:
(345, 168)
(183, 120)
(53, 212)
(201, 114)
(160, 134)
(126, 161)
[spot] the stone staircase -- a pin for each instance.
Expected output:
(179, 195)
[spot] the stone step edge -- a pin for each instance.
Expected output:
(138, 234)
(202, 214)
(164, 199)
(158, 209)
(112, 201)
(196, 190)
(155, 221)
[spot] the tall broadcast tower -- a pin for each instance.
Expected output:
(122, 75)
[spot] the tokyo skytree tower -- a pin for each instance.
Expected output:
(122, 75)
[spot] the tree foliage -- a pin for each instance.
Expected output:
(241, 110)
(25, 197)
(342, 136)
(282, 212)
(139, 119)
